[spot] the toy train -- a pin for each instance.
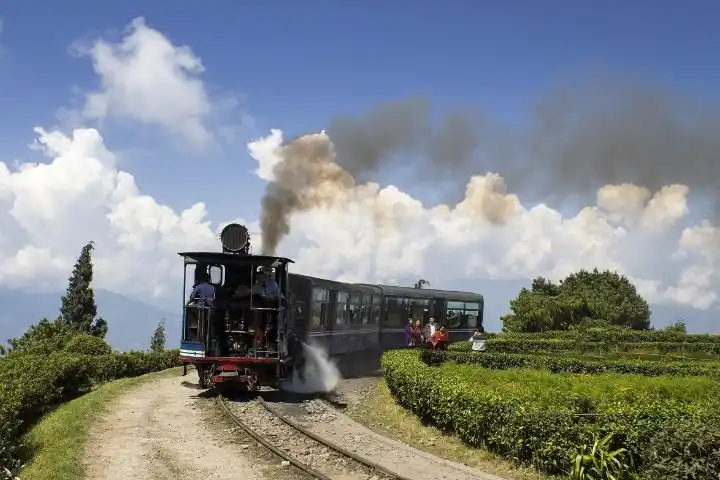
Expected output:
(247, 316)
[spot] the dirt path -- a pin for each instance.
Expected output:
(158, 431)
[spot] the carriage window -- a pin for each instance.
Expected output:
(417, 309)
(374, 309)
(365, 309)
(320, 306)
(455, 318)
(216, 274)
(341, 310)
(356, 309)
(396, 314)
(455, 315)
(473, 311)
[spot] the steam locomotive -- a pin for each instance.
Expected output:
(247, 316)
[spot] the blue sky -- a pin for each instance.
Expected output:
(298, 63)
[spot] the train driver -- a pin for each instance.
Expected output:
(203, 289)
(265, 284)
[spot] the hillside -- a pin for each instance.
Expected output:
(131, 321)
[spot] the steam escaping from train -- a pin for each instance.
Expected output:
(306, 177)
(319, 375)
(576, 139)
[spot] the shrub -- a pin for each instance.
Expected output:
(557, 364)
(686, 451)
(31, 384)
(540, 418)
(624, 335)
(512, 344)
(87, 344)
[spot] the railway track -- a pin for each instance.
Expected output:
(319, 458)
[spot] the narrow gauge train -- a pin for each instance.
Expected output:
(247, 316)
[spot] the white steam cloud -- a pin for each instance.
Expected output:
(319, 374)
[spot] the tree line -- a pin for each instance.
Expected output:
(584, 299)
(78, 315)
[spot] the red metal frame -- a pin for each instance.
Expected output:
(267, 361)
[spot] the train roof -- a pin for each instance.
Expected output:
(232, 258)
(335, 285)
(393, 290)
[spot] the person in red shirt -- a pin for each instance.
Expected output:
(439, 339)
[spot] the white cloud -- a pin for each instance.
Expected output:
(148, 79)
(55, 208)
(454, 241)
(49, 210)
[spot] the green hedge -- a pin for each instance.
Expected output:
(540, 418)
(31, 385)
(512, 344)
(558, 364)
(617, 335)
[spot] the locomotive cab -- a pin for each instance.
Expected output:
(236, 313)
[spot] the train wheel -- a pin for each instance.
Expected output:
(204, 373)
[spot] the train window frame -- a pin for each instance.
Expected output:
(341, 308)
(461, 317)
(455, 305)
(319, 309)
(220, 269)
(355, 308)
(375, 310)
(399, 304)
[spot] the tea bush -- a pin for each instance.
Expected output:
(512, 344)
(557, 364)
(86, 344)
(31, 385)
(624, 335)
(540, 418)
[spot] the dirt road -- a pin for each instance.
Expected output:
(159, 431)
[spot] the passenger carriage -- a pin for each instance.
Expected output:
(252, 335)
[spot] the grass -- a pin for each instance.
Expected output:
(380, 413)
(59, 439)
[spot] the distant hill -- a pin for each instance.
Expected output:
(131, 322)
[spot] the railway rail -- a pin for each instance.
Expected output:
(318, 457)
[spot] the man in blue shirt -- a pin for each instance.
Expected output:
(203, 289)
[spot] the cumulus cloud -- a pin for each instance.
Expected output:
(372, 233)
(146, 78)
(364, 232)
(49, 210)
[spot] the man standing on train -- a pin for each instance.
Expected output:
(202, 290)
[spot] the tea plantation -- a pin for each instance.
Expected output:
(539, 398)
(56, 361)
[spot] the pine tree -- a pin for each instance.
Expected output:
(78, 309)
(157, 342)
